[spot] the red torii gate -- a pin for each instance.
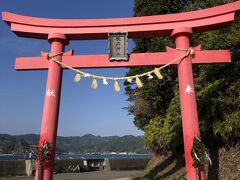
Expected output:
(179, 26)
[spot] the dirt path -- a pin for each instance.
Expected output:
(96, 175)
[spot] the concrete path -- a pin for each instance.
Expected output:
(95, 175)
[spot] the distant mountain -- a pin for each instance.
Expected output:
(84, 144)
(12, 145)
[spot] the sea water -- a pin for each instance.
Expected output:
(75, 156)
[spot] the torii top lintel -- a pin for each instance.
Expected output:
(137, 27)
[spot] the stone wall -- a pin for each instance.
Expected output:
(70, 165)
(27, 168)
(12, 168)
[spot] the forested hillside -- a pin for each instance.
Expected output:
(12, 145)
(156, 106)
(77, 144)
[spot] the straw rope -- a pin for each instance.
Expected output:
(155, 71)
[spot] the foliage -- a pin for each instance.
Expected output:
(217, 86)
(199, 153)
(80, 144)
(90, 144)
(44, 153)
(165, 131)
(155, 93)
(155, 7)
(12, 145)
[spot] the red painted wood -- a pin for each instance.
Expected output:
(137, 27)
(51, 103)
(134, 31)
(186, 16)
(188, 102)
(138, 59)
(68, 53)
(197, 48)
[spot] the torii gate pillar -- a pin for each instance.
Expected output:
(189, 113)
(52, 102)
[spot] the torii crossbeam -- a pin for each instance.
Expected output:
(179, 26)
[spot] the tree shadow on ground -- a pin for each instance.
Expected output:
(153, 173)
(179, 165)
(213, 171)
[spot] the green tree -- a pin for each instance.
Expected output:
(217, 85)
(156, 107)
(151, 102)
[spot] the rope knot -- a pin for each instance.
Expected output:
(47, 55)
(191, 51)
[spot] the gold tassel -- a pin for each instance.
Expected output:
(94, 84)
(77, 77)
(158, 73)
(138, 82)
(116, 86)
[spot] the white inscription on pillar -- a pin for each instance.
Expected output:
(50, 92)
(188, 89)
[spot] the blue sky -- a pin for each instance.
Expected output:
(83, 110)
